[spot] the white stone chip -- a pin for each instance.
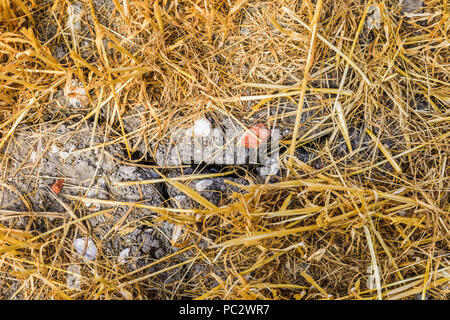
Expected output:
(91, 250)
(74, 13)
(203, 184)
(64, 155)
(180, 197)
(202, 127)
(73, 280)
(123, 255)
(373, 20)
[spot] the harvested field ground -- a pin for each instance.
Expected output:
(96, 204)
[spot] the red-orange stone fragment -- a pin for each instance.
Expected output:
(57, 186)
(259, 130)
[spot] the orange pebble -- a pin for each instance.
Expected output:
(57, 186)
(258, 130)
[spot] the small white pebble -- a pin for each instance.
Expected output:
(91, 250)
(203, 184)
(123, 255)
(180, 197)
(202, 127)
(64, 155)
(54, 149)
(91, 194)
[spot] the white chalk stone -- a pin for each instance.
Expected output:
(203, 184)
(91, 250)
(64, 155)
(93, 207)
(180, 197)
(202, 127)
(373, 20)
(54, 149)
(74, 277)
(123, 255)
(74, 13)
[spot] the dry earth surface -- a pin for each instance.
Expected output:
(100, 94)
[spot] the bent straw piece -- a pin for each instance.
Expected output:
(189, 192)
(21, 82)
(158, 261)
(375, 267)
(19, 119)
(445, 135)
(313, 283)
(290, 212)
(77, 221)
(308, 65)
(158, 16)
(386, 153)
(337, 108)
(284, 94)
(266, 235)
(124, 203)
(180, 178)
(14, 190)
(339, 52)
(156, 273)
